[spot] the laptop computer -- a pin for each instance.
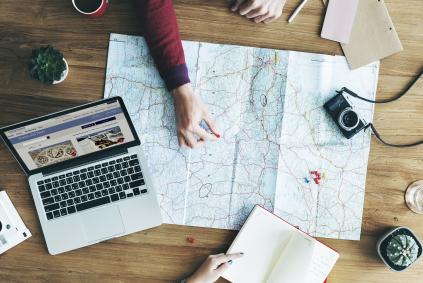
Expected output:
(87, 174)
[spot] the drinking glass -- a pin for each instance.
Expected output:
(414, 197)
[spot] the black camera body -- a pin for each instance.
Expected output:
(344, 115)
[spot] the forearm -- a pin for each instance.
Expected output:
(161, 32)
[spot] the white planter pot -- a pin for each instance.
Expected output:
(64, 73)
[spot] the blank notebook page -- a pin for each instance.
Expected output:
(262, 239)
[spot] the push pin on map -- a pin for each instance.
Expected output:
(316, 177)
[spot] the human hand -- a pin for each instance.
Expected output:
(265, 11)
(212, 268)
(190, 111)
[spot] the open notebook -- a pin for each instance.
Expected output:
(277, 252)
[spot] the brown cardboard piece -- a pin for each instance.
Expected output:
(373, 36)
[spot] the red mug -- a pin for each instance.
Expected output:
(91, 8)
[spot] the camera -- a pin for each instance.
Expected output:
(12, 229)
(342, 112)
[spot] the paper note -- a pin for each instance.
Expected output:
(339, 20)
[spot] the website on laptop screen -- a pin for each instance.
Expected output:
(71, 135)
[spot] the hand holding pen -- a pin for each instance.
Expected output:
(212, 268)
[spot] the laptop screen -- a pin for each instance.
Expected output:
(70, 135)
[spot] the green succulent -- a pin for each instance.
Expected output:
(402, 250)
(46, 64)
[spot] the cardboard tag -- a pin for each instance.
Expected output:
(373, 36)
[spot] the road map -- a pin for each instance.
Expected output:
(279, 149)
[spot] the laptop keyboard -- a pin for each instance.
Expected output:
(92, 186)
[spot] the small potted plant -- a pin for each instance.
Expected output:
(399, 248)
(48, 65)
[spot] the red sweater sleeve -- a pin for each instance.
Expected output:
(162, 35)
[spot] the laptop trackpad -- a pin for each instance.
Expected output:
(102, 223)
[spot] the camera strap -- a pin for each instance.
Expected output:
(371, 126)
(402, 93)
(377, 135)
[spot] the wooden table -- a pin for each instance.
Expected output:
(163, 254)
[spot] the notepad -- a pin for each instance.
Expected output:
(277, 252)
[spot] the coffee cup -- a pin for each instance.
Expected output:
(91, 8)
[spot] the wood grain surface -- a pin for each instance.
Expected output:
(163, 254)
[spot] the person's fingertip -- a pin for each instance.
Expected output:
(243, 12)
(213, 128)
(215, 131)
(268, 20)
(205, 135)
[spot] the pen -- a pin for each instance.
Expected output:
(297, 10)
(230, 262)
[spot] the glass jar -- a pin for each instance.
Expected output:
(414, 197)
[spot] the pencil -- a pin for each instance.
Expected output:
(297, 10)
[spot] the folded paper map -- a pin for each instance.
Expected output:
(278, 148)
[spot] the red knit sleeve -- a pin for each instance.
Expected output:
(162, 35)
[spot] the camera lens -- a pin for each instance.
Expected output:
(348, 119)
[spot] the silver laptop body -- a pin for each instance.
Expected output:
(87, 174)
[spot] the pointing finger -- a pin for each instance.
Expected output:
(203, 134)
(210, 123)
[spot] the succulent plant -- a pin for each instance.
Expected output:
(402, 250)
(46, 64)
